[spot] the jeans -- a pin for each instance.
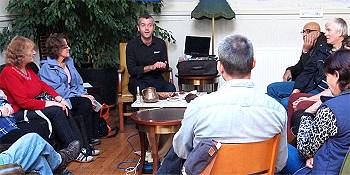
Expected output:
(172, 164)
(294, 162)
(281, 91)
(33, 153)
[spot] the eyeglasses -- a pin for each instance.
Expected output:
(65, 47)
(307, 31)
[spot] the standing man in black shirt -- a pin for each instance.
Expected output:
(146, 58)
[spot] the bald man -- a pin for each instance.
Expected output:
(315, 47)
(311, 32)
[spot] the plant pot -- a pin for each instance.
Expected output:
(104, 82)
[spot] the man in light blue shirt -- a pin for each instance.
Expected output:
(236, 113)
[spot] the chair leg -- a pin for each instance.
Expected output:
(121, 116)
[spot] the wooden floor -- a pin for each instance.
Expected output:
(114, 151)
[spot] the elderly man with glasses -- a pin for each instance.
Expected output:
(314, 47)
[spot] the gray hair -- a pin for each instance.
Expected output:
(236, 55)
(340, 25)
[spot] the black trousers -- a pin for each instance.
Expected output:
(60, 123)
(75, 124)
(85, 116)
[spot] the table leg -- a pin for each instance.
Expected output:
(179, 83)
(143, 146)
(154, 148)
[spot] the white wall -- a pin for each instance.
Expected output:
(5, 18)
(272, 25)
(3, 21)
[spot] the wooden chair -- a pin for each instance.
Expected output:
(245, 158)
(124, 96)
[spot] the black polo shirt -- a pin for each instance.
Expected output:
(139, 55)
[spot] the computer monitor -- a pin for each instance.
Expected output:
(197, 46)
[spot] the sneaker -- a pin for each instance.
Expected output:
(94, 142)
(92, 151)
(84, 157)
(148, 157)
(69, 154)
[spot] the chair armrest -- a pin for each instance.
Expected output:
(10, 169)
(121, 71)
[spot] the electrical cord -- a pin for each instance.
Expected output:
(130, 142)
(130, 169)
(133, 169)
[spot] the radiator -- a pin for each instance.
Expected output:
(271, 64)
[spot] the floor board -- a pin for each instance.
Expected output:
(114, 150)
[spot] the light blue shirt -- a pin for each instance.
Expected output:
(236, 113)
(55, 76)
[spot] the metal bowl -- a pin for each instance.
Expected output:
(149, 95)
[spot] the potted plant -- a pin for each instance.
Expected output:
(94, 29)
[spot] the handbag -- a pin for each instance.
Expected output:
(42, 96)
(197, 68)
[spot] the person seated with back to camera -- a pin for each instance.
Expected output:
(303, 75)
(23, 87)
(236, 113)
(323, 138)
(59, 72)
(146, 57)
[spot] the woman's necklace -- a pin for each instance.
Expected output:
(25, 75)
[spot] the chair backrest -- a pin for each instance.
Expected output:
(122, 65)
(247, 158)
(345, 168)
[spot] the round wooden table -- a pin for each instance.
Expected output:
(156, 122)
(198, 81)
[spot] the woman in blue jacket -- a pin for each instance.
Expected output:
(324, 136)
(58, 71)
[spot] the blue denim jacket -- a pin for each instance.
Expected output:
(52, 74)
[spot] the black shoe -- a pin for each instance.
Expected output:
(94, 142)
(69, 154)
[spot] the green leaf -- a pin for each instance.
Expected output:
(94, 27)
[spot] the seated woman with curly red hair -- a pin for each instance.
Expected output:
(21, 86)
